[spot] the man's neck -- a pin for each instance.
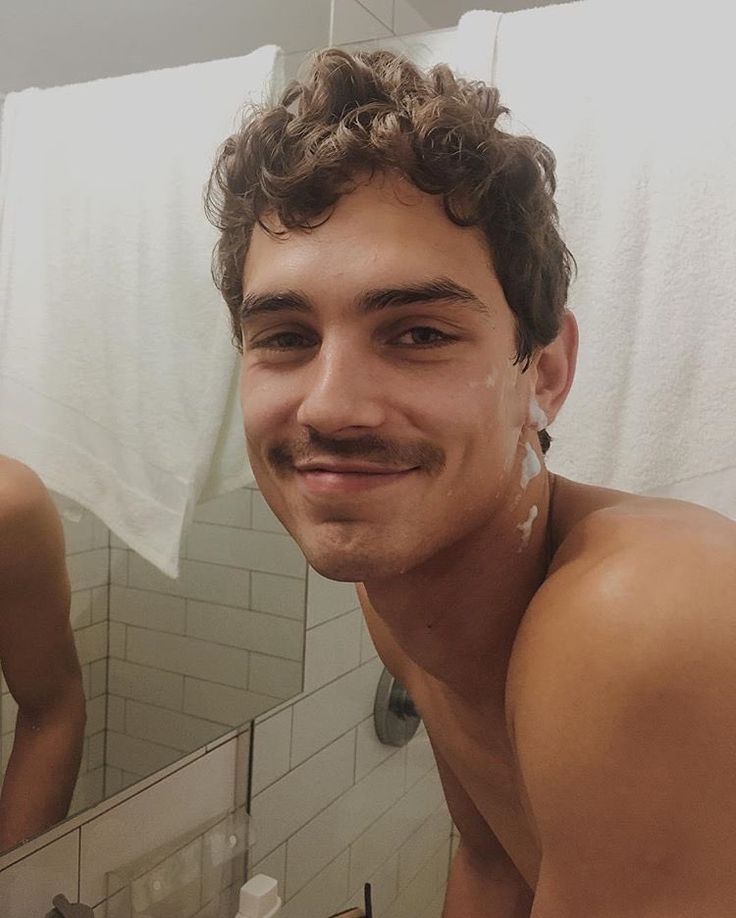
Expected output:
(456, 617)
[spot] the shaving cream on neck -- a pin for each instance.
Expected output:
(530, 466)
(526, 528)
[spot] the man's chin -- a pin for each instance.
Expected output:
(351, 568)
(353, 551)
(347, 570)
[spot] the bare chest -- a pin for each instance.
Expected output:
(477, 748)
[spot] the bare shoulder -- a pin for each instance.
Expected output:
(35, 593)
(636, 549)
(628, 566)
(594, 523)
(630, 589)
(624, 704)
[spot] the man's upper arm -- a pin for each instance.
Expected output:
(475, 833)
(626, 736)
(36, 643)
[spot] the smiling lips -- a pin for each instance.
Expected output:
(346, 477)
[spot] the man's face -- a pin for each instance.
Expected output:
(382, 411)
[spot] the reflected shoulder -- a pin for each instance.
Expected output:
(20, 486)
(30, 526)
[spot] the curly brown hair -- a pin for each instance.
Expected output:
(377, 111)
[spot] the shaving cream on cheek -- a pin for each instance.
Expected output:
(526, 528)
(489, 382)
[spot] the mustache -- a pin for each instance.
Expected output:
(284, 455)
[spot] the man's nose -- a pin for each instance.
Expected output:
(343, 390)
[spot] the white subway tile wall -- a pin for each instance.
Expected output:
(193, 657)
(354, 21)
(158, 814)
(331, 808)
(84, 861)
(189, 659)
(88, 562)
(407, 19)
(275, 737)
(28, 886)
(383, 10)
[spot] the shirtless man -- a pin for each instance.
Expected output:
(572, 649)
(38, 657)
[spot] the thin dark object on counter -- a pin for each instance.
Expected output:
(367, 899)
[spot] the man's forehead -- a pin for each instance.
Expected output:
(385, 242)
(367, 237)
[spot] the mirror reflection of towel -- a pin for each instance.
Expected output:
(117, 371)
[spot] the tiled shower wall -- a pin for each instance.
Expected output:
(194, 657)
(331, 807)
(189, 659)
(77, 857)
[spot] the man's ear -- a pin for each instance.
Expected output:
(555, 366)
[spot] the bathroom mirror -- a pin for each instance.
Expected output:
(170, 665)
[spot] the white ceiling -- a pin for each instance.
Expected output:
(46, 43)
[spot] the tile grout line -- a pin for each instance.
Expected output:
(311, 818)
(347, 790)
(248, 792)
(328, 744)
(378, 20)
(107, 661)
(205, 602)
(79, 863)
(334, 618)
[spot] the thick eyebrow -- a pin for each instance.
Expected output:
(437, 290)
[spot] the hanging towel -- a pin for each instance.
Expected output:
(634, 101)
(476, 47)
(118, 377)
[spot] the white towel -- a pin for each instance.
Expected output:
(117, 371)
(476, 48)
(635, 101)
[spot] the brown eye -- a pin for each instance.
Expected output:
(284, 341)
(425, 336)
